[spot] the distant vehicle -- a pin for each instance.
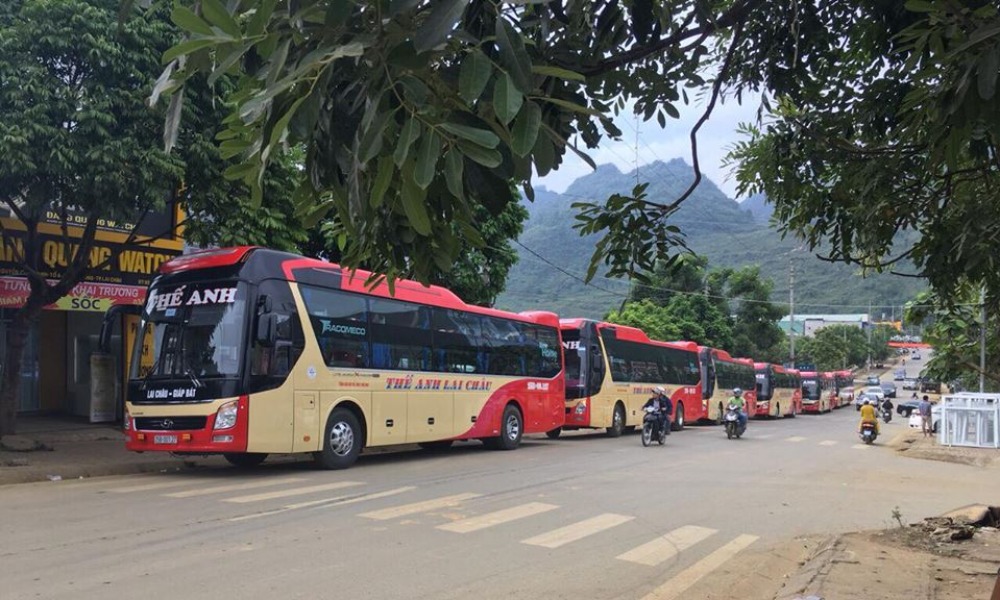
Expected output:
(872, 380)
(911, 384)
(899, 375)
(889, 388)
(873, 394)
(926, 385)
(915, 356)
(907, 408)
(915, 422)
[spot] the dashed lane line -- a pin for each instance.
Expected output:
(667, 546)
(418, 507)
(577, 531)
(681, 582)
(498, 518)
(336, 501)
(234, 487)
(795, 438)
(311, 489)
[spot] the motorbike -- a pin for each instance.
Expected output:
(886, 414)
(734, 428)
(651, 428)
(868, 433)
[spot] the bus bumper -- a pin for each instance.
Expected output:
(186, 434)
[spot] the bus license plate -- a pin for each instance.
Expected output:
(164, 439)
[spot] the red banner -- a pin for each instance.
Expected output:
(87, 296)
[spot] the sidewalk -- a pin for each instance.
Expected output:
(53, 448)
(912, 444)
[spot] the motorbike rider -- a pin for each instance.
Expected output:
(661, 403)
(868, 415)
(887, 404)
(741, 406)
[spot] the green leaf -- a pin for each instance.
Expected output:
(526, 127)
(217, 15)
(280, 127)
(189, 46)
(473, 75)
(483, 156)
(316, 214)
(186, 19)
(486, 139)
(453, 167)
(439, 24)
(413, 197)
(922, 6)
(544, 154)
(986, 78)
(430, 151)
(558, 73)
(371, 140)
(507, 99)
(573, 107)
(513, 55)
(261, 17)
(671, 110)
(409, 134)
(382, 180)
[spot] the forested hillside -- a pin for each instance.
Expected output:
(716, 226)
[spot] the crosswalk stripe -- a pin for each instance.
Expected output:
(336, 501)
(150, 486)
(292, 492)
(680, 583)
(861, 446)
(795, 438)
(828, 443)
(234, 487)
(667, 546)
(417, 507)
(498, 518)
(577, 531)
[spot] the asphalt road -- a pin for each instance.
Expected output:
(580, 517)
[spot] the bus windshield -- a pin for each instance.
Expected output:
(575, 355)
(810, 389)
(192, 331)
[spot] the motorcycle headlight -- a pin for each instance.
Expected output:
(225, 418)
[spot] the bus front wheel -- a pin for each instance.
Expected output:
(342, 442)
(617, 422)
(245, 460)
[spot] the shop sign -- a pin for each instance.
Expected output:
(86, 296)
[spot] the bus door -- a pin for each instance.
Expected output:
(707, 375)
(585, 369)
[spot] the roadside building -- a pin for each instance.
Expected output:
(808, 325)
(55, 376)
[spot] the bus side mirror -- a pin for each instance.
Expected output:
(267, 329)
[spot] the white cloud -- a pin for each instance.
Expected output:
(715, 138)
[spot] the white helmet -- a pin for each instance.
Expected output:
(867, 401)
(659, 390)
(737, 391)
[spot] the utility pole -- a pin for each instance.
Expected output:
(869, 336)
(791, 308)
(982, 341)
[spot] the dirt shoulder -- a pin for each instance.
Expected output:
(912, 444)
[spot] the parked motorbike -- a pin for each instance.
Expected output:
(868, 433)
(651, 428)
(732, 420)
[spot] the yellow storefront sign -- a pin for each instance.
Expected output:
(85, 303)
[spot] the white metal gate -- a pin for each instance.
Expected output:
(969, 419)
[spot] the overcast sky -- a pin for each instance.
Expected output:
(714, 140)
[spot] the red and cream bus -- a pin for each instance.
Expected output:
(611, 370)
(248, 351)
(815, 398)
(720, 374)
(843, 382)
(779, 391)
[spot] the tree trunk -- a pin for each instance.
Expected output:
(17, 338)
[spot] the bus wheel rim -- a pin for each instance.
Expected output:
(619, 421)
(513, 427)
(341, 439)
(680, 416)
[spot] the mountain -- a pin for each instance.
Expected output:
(554, 258)
(759, 207)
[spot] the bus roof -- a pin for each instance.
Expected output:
(627, 333)
(266, 263)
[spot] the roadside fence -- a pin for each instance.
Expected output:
(970, 419)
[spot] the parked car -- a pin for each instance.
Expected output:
(911, 384)
(915, 356)
(916, 423)
(889, 388)
(907, 408)
(926, 385)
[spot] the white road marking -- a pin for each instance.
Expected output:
(498, 518)
(667, 546)
(828, 443)
(577, 531)
(795, 438)
(326, 487)
(680, 583)
(150, 486)
(418, 507)
(234, 487)
(764, 437)
(336, 501)
(861, 446)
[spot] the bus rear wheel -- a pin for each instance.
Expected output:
(342, 441)
(245, 460)
(511, 429)
(678, 423)
(617, 421)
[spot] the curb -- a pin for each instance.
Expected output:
(29, 474)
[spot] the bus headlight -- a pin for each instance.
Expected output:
(127, 422)
(581, 407)
(226, 417)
